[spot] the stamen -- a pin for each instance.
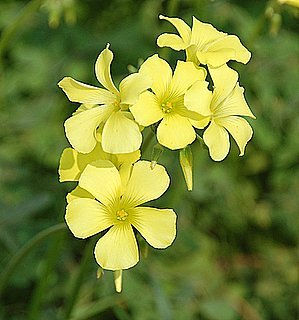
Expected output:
(121, 215)
(167, 107)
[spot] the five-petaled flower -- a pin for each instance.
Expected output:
(166, 102)
(109, 112)
(117, 206)
(222, 109)
(203, 43)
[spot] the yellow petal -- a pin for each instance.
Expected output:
(120, 134)
(181, 26)
(204, 33)
(239, 128)
(224, 80)
(217, 140)
(294, 3)
(86, 217)
(198, 98)
(102, 180)
(172, 41)
(80, 128)
(128, 157)
(80, 92)
(132, 86)
(147, 110)
(145, 184)
(78, 193)
(117, 249)
(72, 163)
(233, 104)
(102, 70)
(185, 74)
(157, 226)
(159, 71)
(200, 124)
(217, 58)
(175, 132)
(225, 49)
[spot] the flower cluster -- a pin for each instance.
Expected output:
(106, 139)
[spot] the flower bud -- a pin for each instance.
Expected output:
(186, 162)
(118, 274)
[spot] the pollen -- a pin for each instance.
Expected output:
(167, 107)
(121, 215)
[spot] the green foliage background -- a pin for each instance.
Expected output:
(235, 252)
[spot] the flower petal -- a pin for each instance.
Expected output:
(200, 124)
(121, 134)
(128, 157)
(78, 192)
(160, 73)
(172, 41)
(102, 70)
(80, 92)
(132, 86)
(175, 132)
(216, 59)
(102, 180)
(157, 226)
(72, 162)
(224, 80)
(204, 33)
(181, 26)
(147, 110)
(117, 249)
(239, 128)
(145, 184)
(217, 140)
(80, 128)
(86, 217)
(227, 48)
(185, 74)
(234, 104)
(198, 98)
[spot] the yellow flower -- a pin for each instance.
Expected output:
(222, 109)
(117, 207)
(72, 163)
(166, 102)
(294, 3)
(204, 44)
(120, 133)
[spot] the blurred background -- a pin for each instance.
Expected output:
(235, 254)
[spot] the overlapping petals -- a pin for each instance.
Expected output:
(222, 109)
(166, 102)
(117, 208)
(204, 44)
(107, 113)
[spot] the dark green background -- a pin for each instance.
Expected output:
(235, 252)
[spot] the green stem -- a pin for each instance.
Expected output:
(75, 289)
(147, 141)
(22, 253)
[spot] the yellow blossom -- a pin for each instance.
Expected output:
(117, 207)
(222, 109)
(294, 3)
(109, 111)
(166, 102)
(72, 163)
(203, 43)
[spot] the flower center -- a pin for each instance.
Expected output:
(121, 215)
(167, 107)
